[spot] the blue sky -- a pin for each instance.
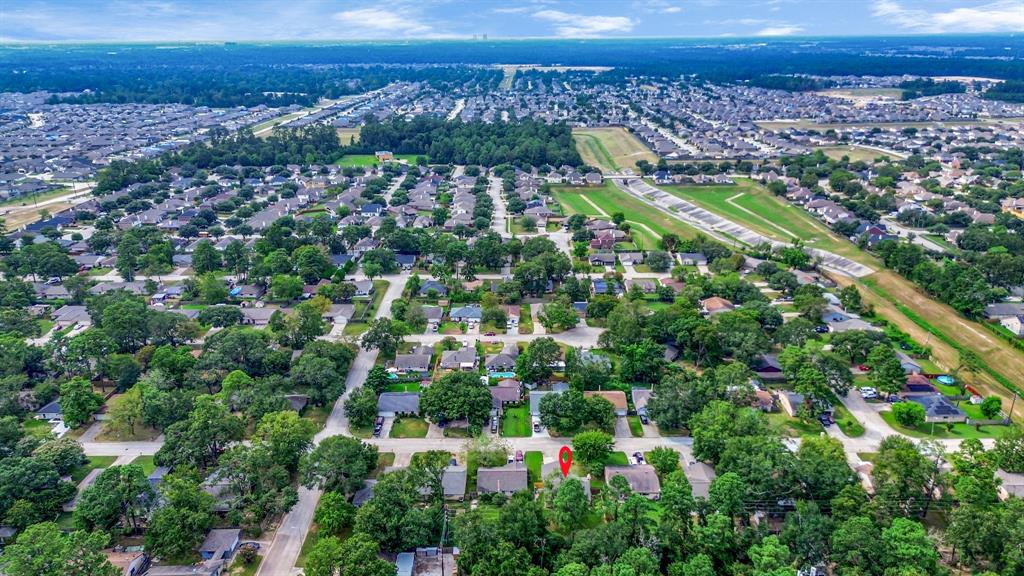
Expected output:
(215, 20)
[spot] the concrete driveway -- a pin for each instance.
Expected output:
(622, 427)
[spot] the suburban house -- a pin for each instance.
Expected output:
(790, 402)
(642, 478)
(616, 397)
(412, 363)
(507, 479)
(692, 259)
(552, 472)
(471, 313)
(363, 287)
(535, 398)
(1012, 484)
(502, 395)
(768, 367)
(220, 542)
(908, 363)
(500, 363)
(461, 359)
(391, 404)
(1014, 324)
(50, 411)
(938, 408)
(438, 288)
(640, 398)
(69, 316)
(700, 476)
(406, 261)
(715, 305)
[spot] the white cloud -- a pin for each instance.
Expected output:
(569, 25)
(381, 23)
(782, 30)
(998, 16)
(516, 10)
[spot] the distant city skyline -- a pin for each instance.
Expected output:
(269, 20)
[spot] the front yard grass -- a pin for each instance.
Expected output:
(384, 459)
(794, 427)
(938, 430)
(92, 463)
(408, 427)
(142, 434)
(635, 427)
(516, 422)
(148, 466)
(534, 460)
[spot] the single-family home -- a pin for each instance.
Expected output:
(715, 305)
(700, 476)
(642, 478)
(471, 313)
(434, 286)
(507, 479)
(50, 411)
(220, 542)
(412, 363)
(363, 287)
(462, 359)
(1014, 324)
(617, 398)
(640, 398)
(500, 363)
(391, 404)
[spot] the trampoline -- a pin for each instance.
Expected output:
(946, 380)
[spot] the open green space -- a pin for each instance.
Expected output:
(516, 422)
(92, 463)
(407, 427)
(611, 148)
(794, 427)
(959, 430)
(27, 199)
(367, 160)
(648, 224)
(855, 153)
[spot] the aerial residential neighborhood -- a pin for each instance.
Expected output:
(530, 306)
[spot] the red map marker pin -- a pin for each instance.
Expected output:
(565, 460)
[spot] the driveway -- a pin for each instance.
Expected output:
(622, 427)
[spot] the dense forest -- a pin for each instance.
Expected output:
(247, 74)
(928, 87)
(525, 141)
(1009, 91)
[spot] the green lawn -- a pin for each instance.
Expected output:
(403, 387)
(846, 421)
(617, 459)
(753, 206)
(648, 224)
(367, 160)
(960, 430)
(635, 427)
(384, 459)
(92, 463)
(516, 422)
(27, 199)
(794, 427)
(407, 427)
(148, 466)
(240, 568)
(534, 461)
(44, 326)
(37, 428)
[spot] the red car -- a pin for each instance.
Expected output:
(863, 368)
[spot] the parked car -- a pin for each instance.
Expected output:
(490, 334)
(821, 329)
(511, 459)
(519, 455)
(644, 420)
(868, 393)
(863, 367)
(826, 419)
(638, 458)
(905, 346)
(494, 426)
(536, 426)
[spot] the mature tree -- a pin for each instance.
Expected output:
(384, 334)
(570, 505)
(64, 453)
(909, 414)
(339, 464)
(857, 547)
(288, 436)
(536, 364)
(358, 555)
(118, 499)
(991, 407)
(906, 549)
(664, 459)
(771, 558)
(717, 423)
(559, 315)
(212, 289)
(587, 371)
(906, 476)
(592, 448)
(642, 362)
(886, 371)
(259, 486)
(199, 439)
(126, 411)
(697, 565)
(850, 298)
(806, 532)
(78, 402)
(220, 316)
(393, 514)
(1009, 449)
(181, 523)
(456, 396)
(361, 406)
(205, 258)
(334, 514)
(726, 494)
(45, 550)
(820, 468)
(809, 300)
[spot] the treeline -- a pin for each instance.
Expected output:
(928, 87)
(522, 142)
(313, 144)
(251, 85)
(790, 83)
(1009, 91)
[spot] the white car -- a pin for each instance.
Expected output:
(868, 393)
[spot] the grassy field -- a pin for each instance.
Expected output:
(348, 135)
(611, 148)
(366, 160)
(648, 223)
(409, 428)
(516, 422)
(752, 205)
(33, 199)
(946, 332)
(855, 153)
